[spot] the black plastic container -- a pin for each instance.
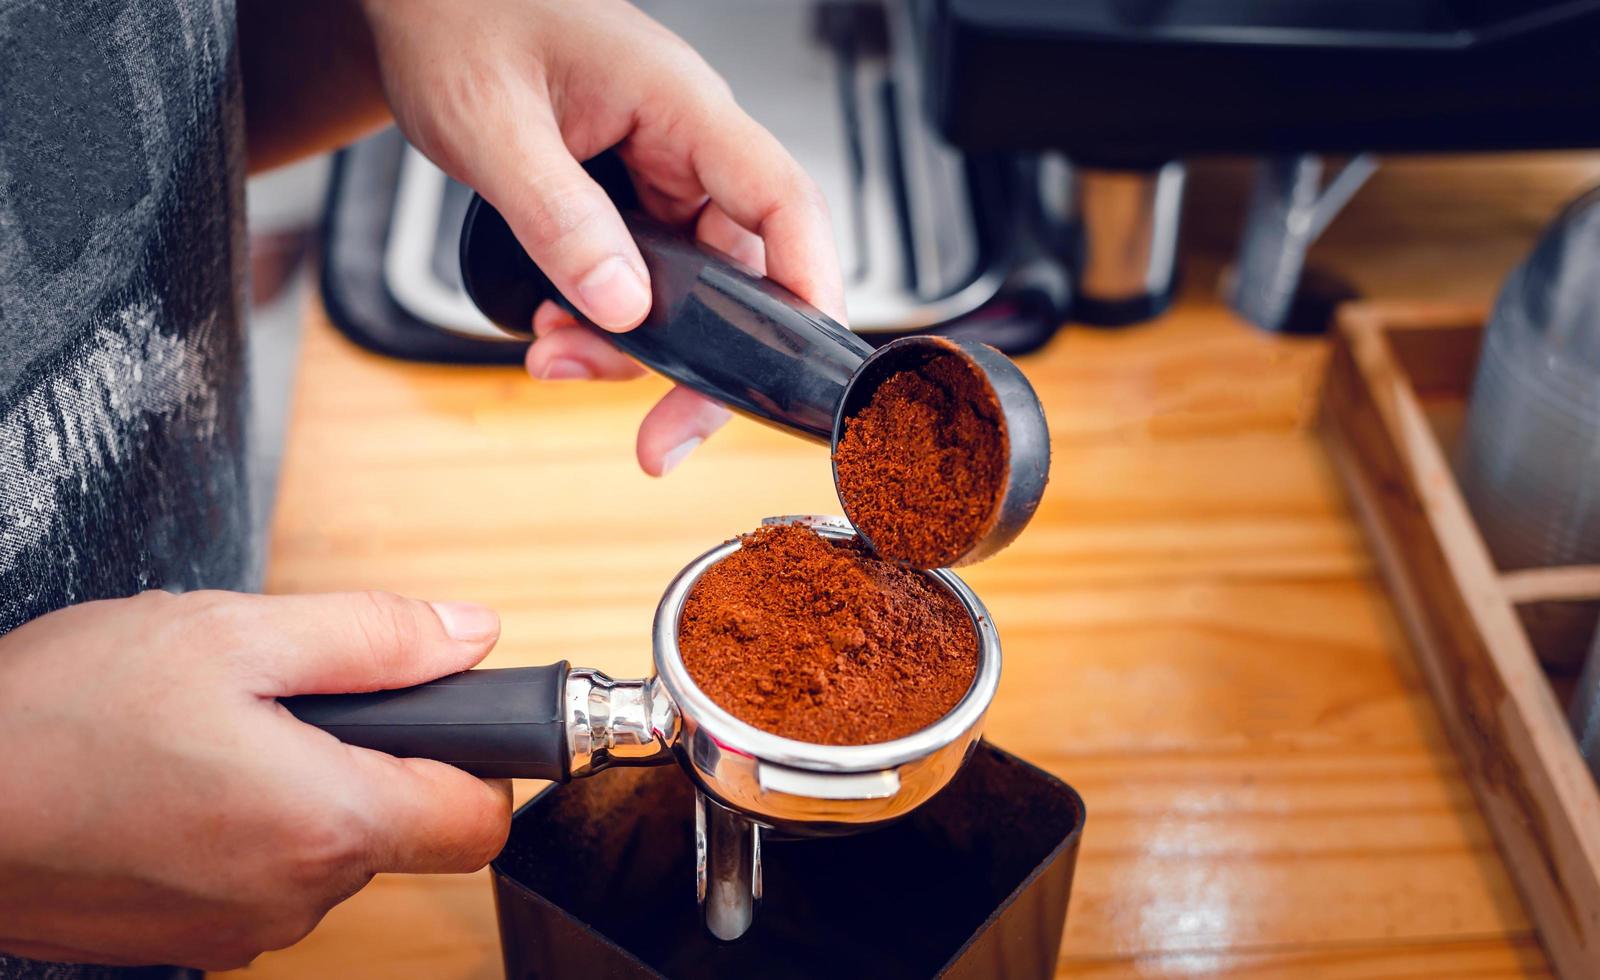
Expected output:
(597, 881)
(1139, 83)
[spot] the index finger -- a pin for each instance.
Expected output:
(755, 181)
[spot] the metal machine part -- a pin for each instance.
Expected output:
(838, 87)
(906, 221)
(920, 242)
(727, 867)
(1529, 448)
(1289, 210)
(356, 235)
(418, 264)
(558, 723)
(752, 345)
(609, 722)
(1129, 250)
(1129, 83)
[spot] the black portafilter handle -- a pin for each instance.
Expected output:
(497, 724)
(714, 325)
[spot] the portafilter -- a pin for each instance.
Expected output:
(560, 722)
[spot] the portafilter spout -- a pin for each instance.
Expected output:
(556, 722)
(742, 339)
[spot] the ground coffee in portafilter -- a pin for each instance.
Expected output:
(817, 641)
(922, 467)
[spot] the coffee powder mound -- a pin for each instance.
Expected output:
(814, 640)
(922, 466)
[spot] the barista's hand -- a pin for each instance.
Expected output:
(508, 96)
(157, 805)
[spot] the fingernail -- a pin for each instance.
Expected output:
(678, 454)
(613, 294)
(752, 256)
(467, 620)
(565, 369)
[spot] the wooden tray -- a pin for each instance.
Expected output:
(1392, 402)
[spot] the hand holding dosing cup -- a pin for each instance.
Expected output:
(969, 480)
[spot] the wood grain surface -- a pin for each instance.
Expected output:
(1195, 636)
(1510, 732)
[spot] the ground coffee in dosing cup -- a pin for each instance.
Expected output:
(940, 451)
(945, 466)
(922, 466)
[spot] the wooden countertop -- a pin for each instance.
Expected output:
(1195, 637)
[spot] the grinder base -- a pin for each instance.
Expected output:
(597, 879)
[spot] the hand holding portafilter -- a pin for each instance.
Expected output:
(747, 342)
(558, 723)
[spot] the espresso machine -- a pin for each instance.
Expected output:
(997, 168)
(1128, 90)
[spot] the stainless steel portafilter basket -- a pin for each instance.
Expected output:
(721, 329)
(559, 722)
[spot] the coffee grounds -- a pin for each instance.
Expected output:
(921, 468)
(815, 640)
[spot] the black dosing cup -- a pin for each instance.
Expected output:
(742, 339)
(714, 325)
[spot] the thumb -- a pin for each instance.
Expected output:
(567, 223)
(341, 643)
